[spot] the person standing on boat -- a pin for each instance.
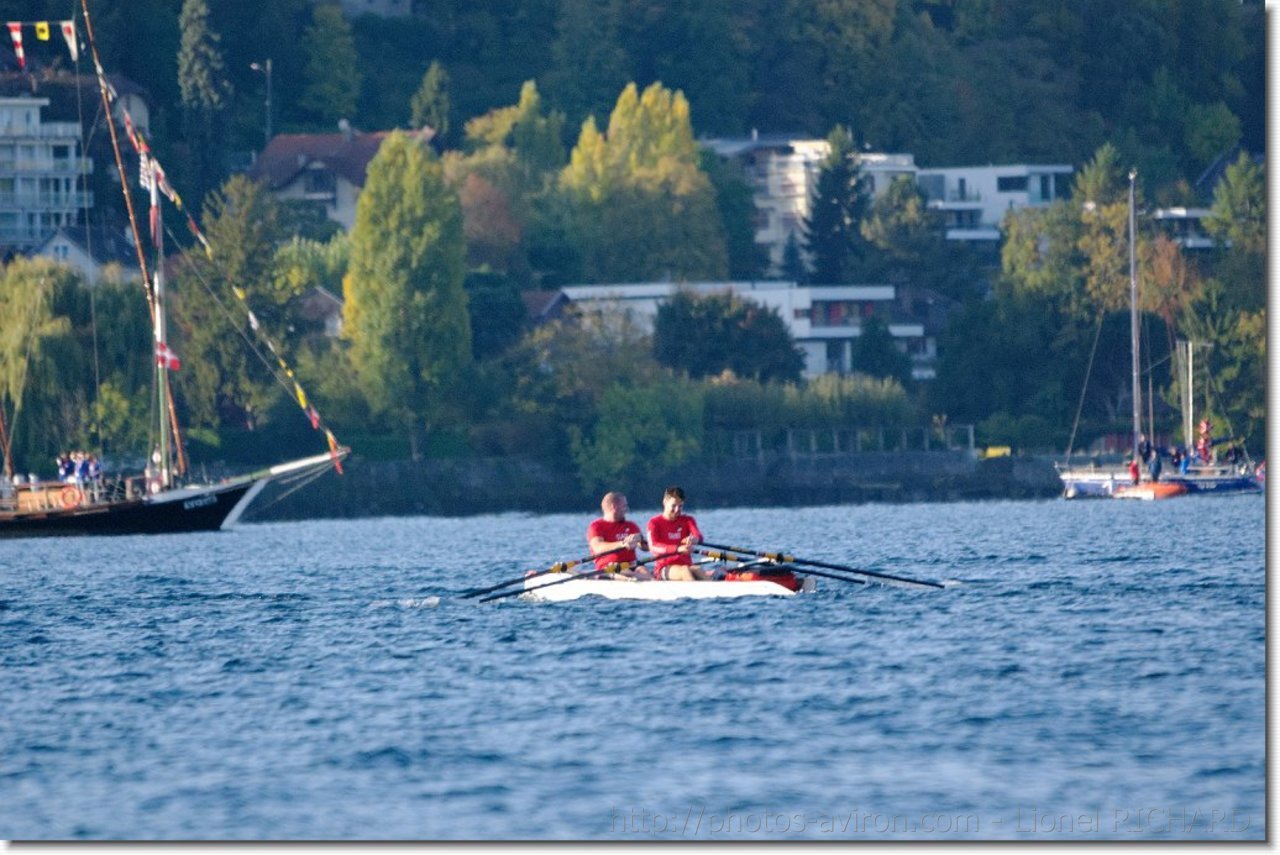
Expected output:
(672, 535)
(614, 531)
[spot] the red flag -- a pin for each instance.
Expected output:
(15, 33)
(166, 357)
(314, 417)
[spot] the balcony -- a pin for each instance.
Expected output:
(56, 166)
(46, 201)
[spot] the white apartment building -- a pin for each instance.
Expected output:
(824, 320)
(974, 199)
(783, 172)
(42, 174)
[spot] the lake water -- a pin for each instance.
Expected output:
(1094, 670)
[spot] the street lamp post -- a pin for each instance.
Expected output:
(265, 68)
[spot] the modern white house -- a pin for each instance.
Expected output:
(42, 174)
(824, 320)
(975, 199)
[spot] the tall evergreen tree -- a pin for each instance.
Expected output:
(406, 310)
(430, 105)
(832, 230)
(205, 93)
(1238, 221)
(333, 68)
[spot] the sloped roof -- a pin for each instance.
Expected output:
(345, 154)
(101, 244)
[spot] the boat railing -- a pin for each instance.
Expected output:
(46, 496)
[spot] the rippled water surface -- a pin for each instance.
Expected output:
(1093, 670)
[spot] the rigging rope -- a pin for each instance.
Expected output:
(1084, 388)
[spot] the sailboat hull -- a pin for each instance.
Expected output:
(187, 510)
(1097, 484)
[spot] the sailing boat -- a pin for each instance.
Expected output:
(161, 499)
(1120, 482)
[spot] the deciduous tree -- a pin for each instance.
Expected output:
(406, 310)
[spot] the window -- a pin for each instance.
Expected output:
(319, 181)
(1011, 183)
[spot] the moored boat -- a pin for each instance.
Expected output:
(166, 497)
(1206, 476)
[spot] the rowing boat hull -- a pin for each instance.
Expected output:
(648, 589)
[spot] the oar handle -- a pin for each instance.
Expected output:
(615, 567)
(559, 567)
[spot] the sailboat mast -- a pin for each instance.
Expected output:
(1133, 316)
(158, 325)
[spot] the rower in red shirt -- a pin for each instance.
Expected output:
(614, 531)
(672, 535)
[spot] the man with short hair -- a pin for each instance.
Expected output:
(614, 531)
(672, 536)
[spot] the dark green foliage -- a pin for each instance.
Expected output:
(833, 234)
(705, 336)
(497, 314)
(875, 354)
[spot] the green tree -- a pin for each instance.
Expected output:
(332, 72)
(406, 310)
(504, 178)
(589, 64)
(430, 105)
(705, 336)
(643, 208)
(736, 202)
(639, 433)
(1238, 222)
(221, 383)
(832, 230)
(205, 94)
(37, 359)
(877, 355)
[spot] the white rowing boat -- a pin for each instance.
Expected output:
(561, 587)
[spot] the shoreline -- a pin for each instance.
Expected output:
(472, 486)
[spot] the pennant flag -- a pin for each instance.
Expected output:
(302, 396)
(42, 30)
(314, 417)
(166, 357)
(333, 450)
(69, 35)
(15, 33)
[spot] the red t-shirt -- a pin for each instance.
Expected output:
(665, 536)
(612, 532)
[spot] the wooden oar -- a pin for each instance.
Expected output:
(595, 574)
(559, 567)
(791, 559)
